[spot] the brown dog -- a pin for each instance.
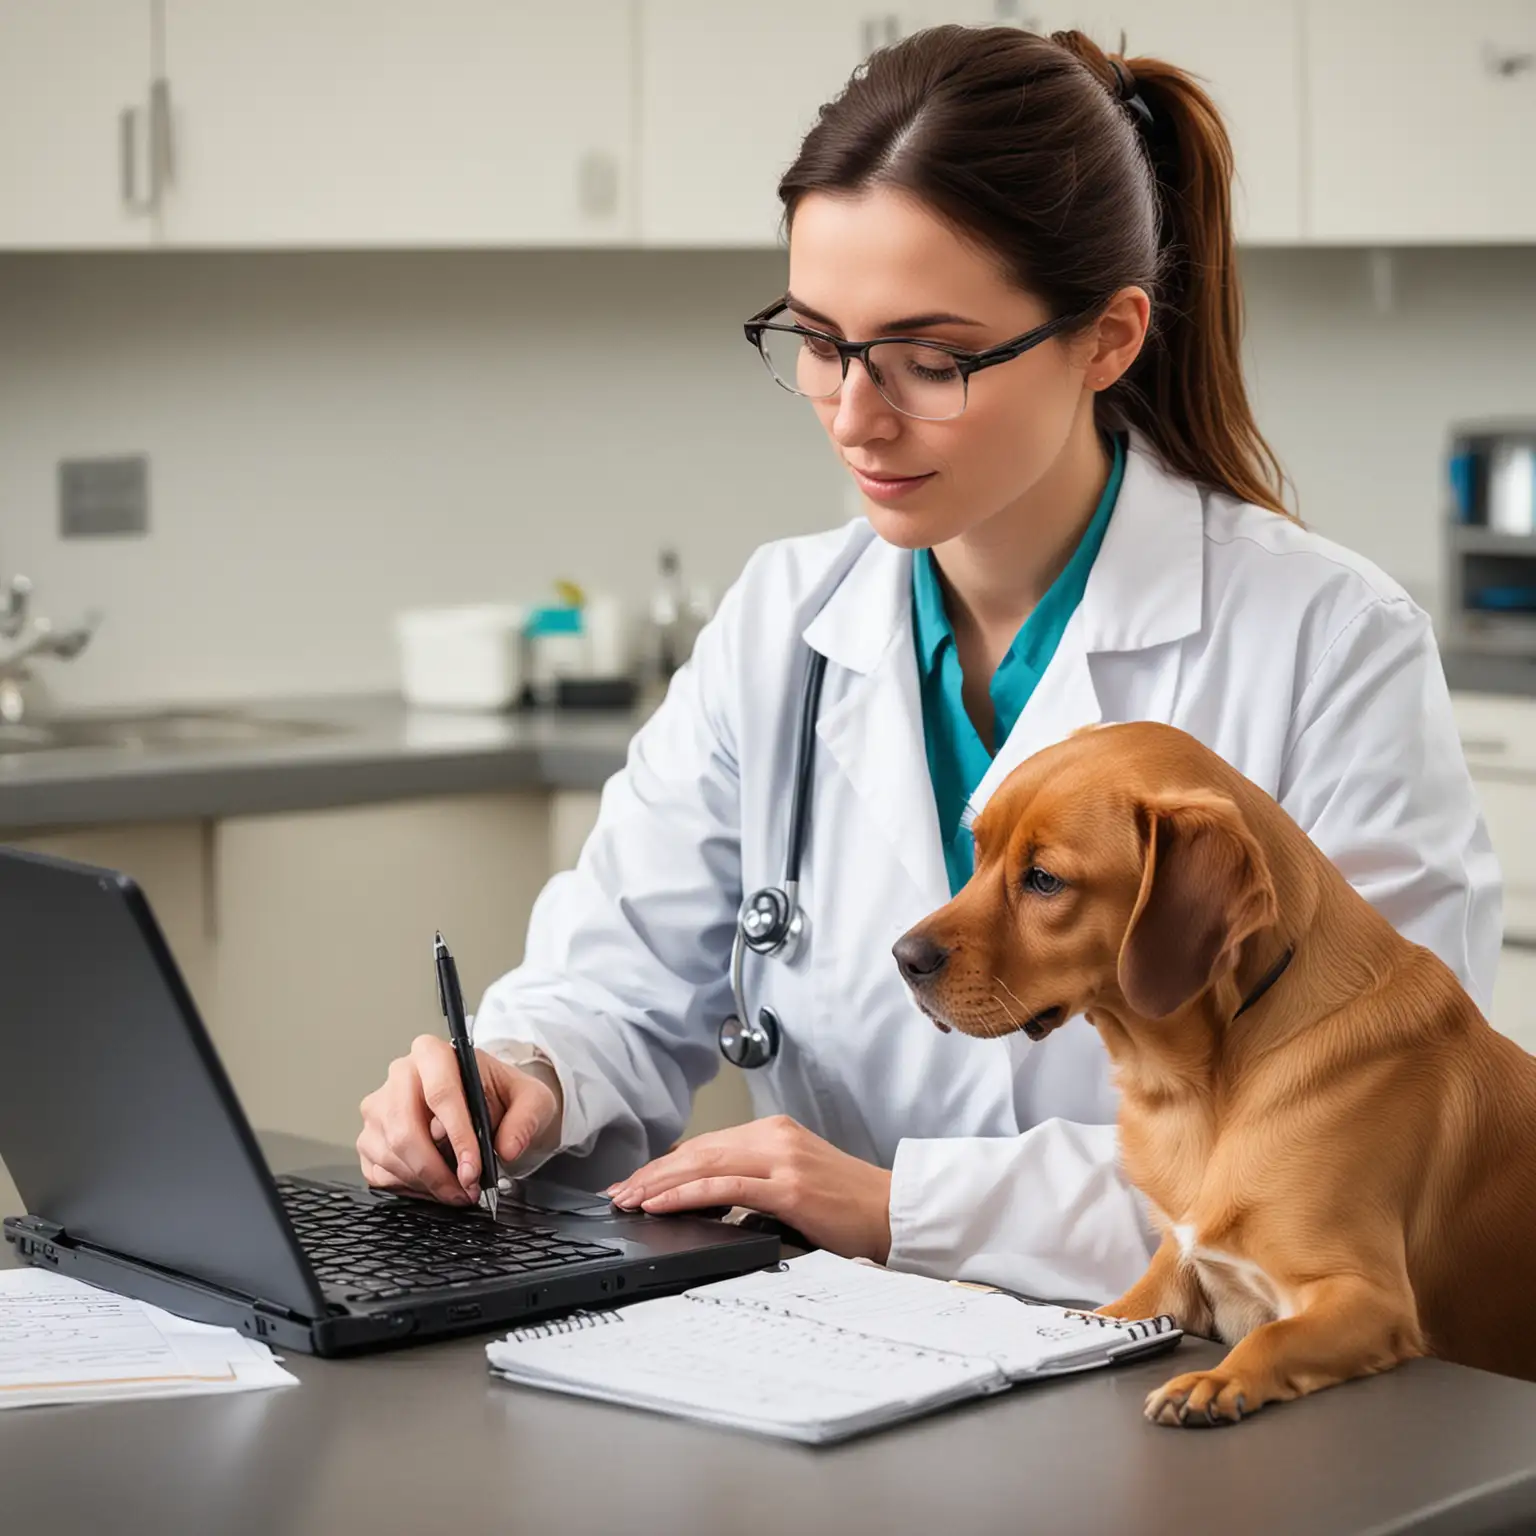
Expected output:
(1339, 1150)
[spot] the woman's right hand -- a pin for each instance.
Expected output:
(417, 1134)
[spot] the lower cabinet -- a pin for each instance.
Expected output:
(324, 934)
(1514, 996)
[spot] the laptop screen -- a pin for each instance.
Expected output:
(117, 1121)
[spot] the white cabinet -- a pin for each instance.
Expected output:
(73, 166)
(1498, 735)
(1247, 53)
(728, 92)
(1514, 997)
(1509, 808)
(1422, 121)
(392, 122)
(367, 123)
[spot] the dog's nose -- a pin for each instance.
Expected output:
(919, 958)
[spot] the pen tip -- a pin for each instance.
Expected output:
(437, 939)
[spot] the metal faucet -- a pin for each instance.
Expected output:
(28, 637)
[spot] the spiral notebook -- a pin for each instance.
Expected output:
(818, 1349)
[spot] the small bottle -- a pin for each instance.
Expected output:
(667, 616)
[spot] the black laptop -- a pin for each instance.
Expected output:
(142, 1175)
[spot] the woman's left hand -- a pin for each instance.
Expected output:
(778, 1167)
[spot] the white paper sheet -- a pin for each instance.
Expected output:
(62, 1341)
(1023, 1339)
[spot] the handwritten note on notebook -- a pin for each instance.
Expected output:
(817, 1350)
(62, 1341)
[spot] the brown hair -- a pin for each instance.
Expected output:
(1085, 174)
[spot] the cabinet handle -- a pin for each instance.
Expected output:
(162, 156)
(1487, 745)
(597, 184)
(1505, 66)
(893, 29)
(867, 35)
(128, 162)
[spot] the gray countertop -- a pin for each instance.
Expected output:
(424, 1439)
(372, 748)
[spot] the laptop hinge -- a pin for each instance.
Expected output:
(272, 1309)
(35, 1226)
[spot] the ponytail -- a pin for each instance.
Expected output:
(1086, 174)
(1186, 391)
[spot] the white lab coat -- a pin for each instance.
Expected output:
(1301, 664)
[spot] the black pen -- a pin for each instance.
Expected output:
(469, 1068)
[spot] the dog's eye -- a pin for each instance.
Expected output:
(1041, 882)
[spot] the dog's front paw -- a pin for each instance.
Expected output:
(1200, 1399)
(1134, 1309)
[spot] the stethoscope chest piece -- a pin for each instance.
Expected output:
(770, 921)
(753, 1044)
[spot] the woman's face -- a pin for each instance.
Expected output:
(871, 264)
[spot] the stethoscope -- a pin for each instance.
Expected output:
(770, 921)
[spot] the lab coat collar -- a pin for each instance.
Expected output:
(873, 727)
(1145, 588)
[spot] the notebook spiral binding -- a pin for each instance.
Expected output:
(1142, 1328)
(574, 1323)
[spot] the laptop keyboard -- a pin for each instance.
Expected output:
(390, 1249)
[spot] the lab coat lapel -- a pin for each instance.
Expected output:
(1064, 701)
(1145, 590)
(872, 725)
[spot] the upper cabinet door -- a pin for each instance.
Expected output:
(1423, 120)
(1247, 54)
(74, 111)
(395, 122)
(728, 89)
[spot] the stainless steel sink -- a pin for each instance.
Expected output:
(173, 730)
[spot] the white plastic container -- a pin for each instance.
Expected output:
(461, 658)
(608, 640)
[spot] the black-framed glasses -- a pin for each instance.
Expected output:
(929, 380)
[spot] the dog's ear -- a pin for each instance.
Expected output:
(1205, 887)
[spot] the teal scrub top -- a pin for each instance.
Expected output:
(957, 757)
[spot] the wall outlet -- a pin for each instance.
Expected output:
(103, 498)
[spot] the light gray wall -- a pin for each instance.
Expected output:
(337, 436)
(1359, 399)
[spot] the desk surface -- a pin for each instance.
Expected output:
(424, 1440)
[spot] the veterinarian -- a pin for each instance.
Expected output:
(1014, 308)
